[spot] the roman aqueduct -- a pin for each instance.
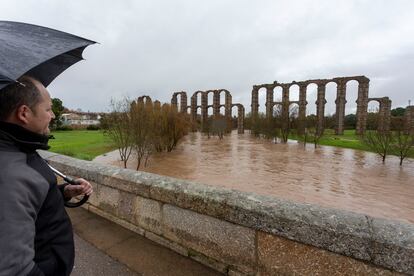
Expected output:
(341, 91)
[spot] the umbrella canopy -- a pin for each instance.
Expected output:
(39, 52)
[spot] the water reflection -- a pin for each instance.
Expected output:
(328, 176)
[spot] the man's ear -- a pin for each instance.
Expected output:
(23, 114)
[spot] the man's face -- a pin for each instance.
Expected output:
(41, 114)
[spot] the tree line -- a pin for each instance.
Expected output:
(140, 128)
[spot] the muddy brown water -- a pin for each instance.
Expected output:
(328, 176)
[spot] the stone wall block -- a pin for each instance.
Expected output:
(126, 206)
(280, 256)
(108, 199)
(94, 197)
(148, 214)
(393, 245)
(220, 240)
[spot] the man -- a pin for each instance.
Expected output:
(36, 235)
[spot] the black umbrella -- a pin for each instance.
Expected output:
(40, 52)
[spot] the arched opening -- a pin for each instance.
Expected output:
(222, 97)
(222, 109)
(210, 110)
(179, 102)
(294, 93)
(198, 97)
(262, 100)
(234, 116)
(277, 110)
(330, 107)
(293, 116)
(351, 106)
(210, 101)
(311, 98)
(277, 94)
(373, 115)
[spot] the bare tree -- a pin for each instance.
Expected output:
(379, 142)
(141, 125)
(312, 133)
(116, 125)
(403, 142)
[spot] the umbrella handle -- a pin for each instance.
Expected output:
(85, 198)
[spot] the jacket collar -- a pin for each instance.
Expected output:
(23, 138)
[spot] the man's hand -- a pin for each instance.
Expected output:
(83, 188)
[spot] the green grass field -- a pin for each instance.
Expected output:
(82, 144)
(349, 140)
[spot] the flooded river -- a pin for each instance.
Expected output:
(327, 176)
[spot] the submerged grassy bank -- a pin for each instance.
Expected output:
(348, 140)
(87, 144)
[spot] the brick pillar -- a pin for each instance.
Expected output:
(285, 104)
(302, 108)
(340, 107)
(255, 101)
(384, 115)
(269, 101)
(362, 107)
(387, 114)
(204, 114)
(228, 104)
(409, 120)
(174, 102)
(240, 119)
(216, 103)
(320, 108)
(183, 102)
(194, 107)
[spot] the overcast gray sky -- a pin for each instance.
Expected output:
(159, 47)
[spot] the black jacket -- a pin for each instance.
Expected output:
(36, 235)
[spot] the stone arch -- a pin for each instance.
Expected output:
(276, 109)
(213, 101)
(240, 117)
(227, 102)
(311, 100)
(351, 100)
(183, 101)
(202, 106)
(333, 95)
(144, 99)
(262, 99)
(277, 93)
(325, 95)
(294, 90)
(384, 113)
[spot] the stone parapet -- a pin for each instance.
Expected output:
(241, 233)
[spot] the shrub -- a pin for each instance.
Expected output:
(93, 127)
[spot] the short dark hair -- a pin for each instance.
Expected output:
(22, 92)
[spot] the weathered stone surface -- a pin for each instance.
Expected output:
(108, 199)
(214, 238)
(126, 206)
(108, 216)
(339, 231)
(279, 256)
(148, 214)
(393, 245)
